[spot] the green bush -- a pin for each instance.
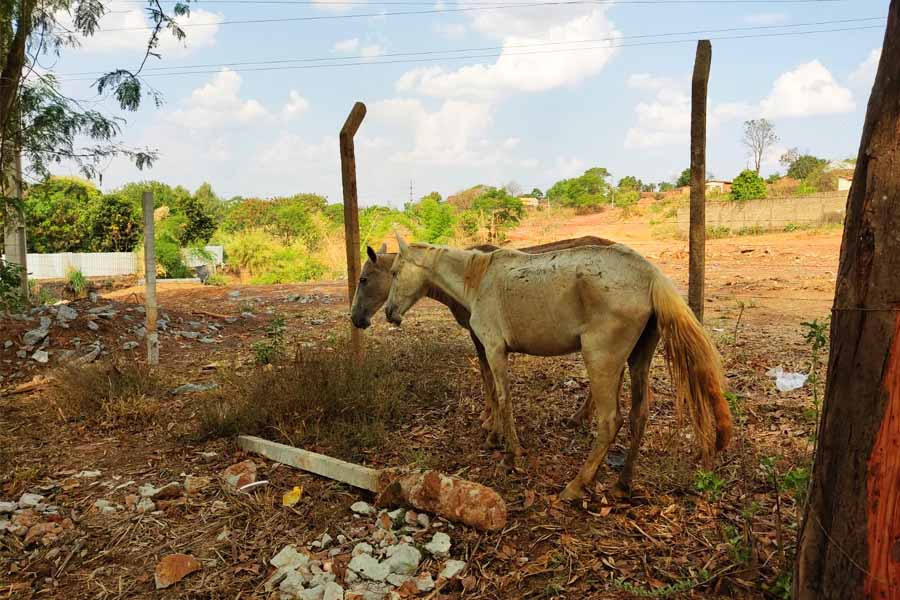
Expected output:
(748, 186)
(10, 282)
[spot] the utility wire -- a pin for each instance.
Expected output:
(485, 48)
(445, 10)
(490, 55)
(481, 2)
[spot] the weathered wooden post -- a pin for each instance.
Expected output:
(697, 236)
(150, 279)
(849, 543)
(351, 210)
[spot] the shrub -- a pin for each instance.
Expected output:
(10, 290)
(76, 282)
(328, 396)
(117, 392)
(748, 186)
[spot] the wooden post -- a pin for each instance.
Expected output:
(351, 210)
(697, 236)
(150, 279)
(849, 543)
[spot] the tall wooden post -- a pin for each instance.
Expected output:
(351, 210)
(15, 245)
(150, 279)
(850, 537)
(697, 239)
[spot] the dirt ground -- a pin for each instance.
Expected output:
(684, 533)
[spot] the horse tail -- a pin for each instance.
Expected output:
(695, 368)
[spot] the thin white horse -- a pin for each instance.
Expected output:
(609, 302)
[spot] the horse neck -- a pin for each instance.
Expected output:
(447, 277)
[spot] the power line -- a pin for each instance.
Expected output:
(486, 48)
(477, 2)
(490, 55)
(458, 10)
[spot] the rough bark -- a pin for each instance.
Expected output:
(850, 538)
(351, 210)
(697, 235)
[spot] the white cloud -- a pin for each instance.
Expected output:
(346, 46)
(121, 31)
(371, 50)
(519, 68)
(217, 104)
(335, 6)
(769, 18)
(296, 105)
(451, 31)
(808, 90)
(290, 151)
(864, 74)
(453, 134)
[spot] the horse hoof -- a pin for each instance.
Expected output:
(510, 460)
(620, 491)
(573, 491)
(493, 441)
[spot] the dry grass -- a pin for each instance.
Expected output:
(323, 397)
(119, 392)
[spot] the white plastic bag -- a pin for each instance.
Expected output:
(786, 381)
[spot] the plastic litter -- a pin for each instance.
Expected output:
(786, 381)
(292, 497)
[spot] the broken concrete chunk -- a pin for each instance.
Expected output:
(362, 548)
(403, 559)
(35, 336)
(66, 313)
(289, 558)
(361, 508)
(8, 507)
(439, 546)
(173, 568)
(424, 582)
(195, 485)
(292, 584)
(106, 507)
(41, 356)
(145, 505)
(368, 567)
(452, 568)
(28, 500)
(240, 474)
(333, 592)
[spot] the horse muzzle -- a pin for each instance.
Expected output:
(393, 316)
(360, 322)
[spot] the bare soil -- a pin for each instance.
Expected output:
(727, 534)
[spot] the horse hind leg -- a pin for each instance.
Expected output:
(605, 365)
(639, 366)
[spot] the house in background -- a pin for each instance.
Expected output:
(718, 185)
(530, 202)
(843, 182)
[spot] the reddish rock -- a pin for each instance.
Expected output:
(27, 518)
(173, 568)
(131, 501)
(45, 532)
(240, 474)
(168, 492)
(195, 485)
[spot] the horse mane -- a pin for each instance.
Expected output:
(476, 266)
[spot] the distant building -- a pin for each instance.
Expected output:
(530, 202)
(718, 185)
(844, 182)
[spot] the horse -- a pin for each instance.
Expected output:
(608, 302)
(372, 292)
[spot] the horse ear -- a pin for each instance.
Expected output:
(383, 249)
(404, 247)
(372, 256)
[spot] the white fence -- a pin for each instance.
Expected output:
(104, 264)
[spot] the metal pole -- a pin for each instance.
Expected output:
(150, 279)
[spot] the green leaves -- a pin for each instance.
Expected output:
(748, 186)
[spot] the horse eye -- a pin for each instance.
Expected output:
(362, 280)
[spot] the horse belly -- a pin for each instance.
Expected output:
(543, 317)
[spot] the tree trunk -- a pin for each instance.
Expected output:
(850, 538)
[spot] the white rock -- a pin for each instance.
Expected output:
(292, 584)
(88, 474)
(66, 313)
(289, 558)
(129, 345)
(105, 506)
(333, 592)
(368, 567)
(92, 325)
(326, 540)
(147, 490)
(439, 546)
(397, 580)
(341, 539)
(27, 500)
(424, 582)
(41, 356)
(361, 508)
(314, 593)
(362, 548)
(8, 507)
(423, 520)
(452, 568)
(145, 505)
(403, 559)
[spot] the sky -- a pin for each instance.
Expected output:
(476, 91)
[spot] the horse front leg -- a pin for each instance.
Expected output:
(497, 360)
(489, 417)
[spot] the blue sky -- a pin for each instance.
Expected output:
(531, 115)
